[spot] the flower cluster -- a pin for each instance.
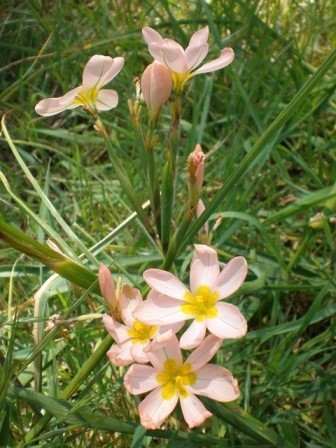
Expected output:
(172, 66)
(151, 334)
(146, 336)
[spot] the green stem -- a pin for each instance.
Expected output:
(177, 239)
(152, 180)
(145, 150)
(124, 179)
(167, 201)
(169, 173)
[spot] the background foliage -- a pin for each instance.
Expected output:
(286, 363)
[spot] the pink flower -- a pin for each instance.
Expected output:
(133, 336)
(171, 380)
(156, 86)
(99, 71)
(183, 63)
(170, 301)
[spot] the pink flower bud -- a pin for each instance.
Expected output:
(156, 86)
(107, 287)
(196, 174)
(196, 166)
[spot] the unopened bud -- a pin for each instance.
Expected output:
(156, 86)
(196, 174)
(108, 289)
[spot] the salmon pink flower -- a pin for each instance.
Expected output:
(170, 301)
(133, 336)
(183, 63)
(156, 86)
(172, 380)
(99, 71)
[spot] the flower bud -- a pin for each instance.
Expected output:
(196, 174)
(156, 86)
(108, 289)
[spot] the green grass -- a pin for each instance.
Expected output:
(266, 180)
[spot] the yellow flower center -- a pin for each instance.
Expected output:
(179, 79)
(87, 98)
(202, 304)
(174, 378)
(141, 332)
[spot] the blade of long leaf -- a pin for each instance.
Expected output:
(237, 417)
(68, 269)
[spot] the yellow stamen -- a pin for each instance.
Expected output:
(202, 304)
(174, 378)
(87, 98)
(141, 332)
(179, 79)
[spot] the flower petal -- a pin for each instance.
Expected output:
(107, 99)
(198, 48)
(114, 70)
(129, 299)
(151, 35)
(140, 379)
(204, 268)
(193, 410)
(118, 331)
(165, 331)
(52, 106)
(158, 352)
(108, 321)
(165, 283)
(225, 58)
(199, 38)
(159, 310)
(194, 56)
(215, 382)
(173, 56)
(229, 322)
(194, 335)
(203, 353)
(100, 70)
(155, 49)
(231, 277)
(120, 354)
(153, 410)
(156, 86)
(138, 352)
